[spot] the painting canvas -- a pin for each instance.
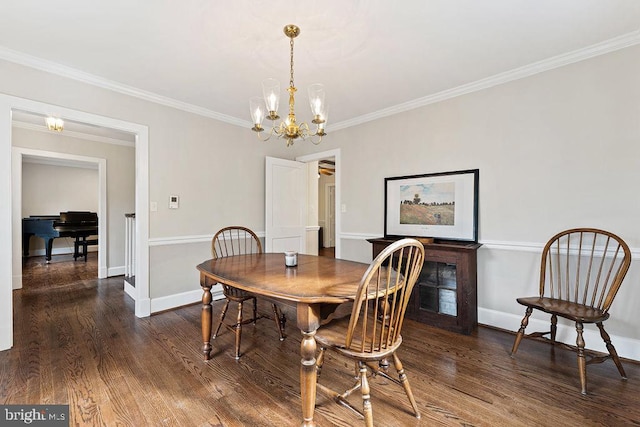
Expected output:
(430, 204)
(440, 205)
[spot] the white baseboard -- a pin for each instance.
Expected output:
(16, 283)
(626, 347)
(179, 300)
(143, 308)
(115, 271)
(129, 290)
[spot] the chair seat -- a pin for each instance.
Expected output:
(235, 294)
(333, 335)
(568, 310)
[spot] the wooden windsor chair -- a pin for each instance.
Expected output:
(371, 334)
(580, 273)
(237, 240)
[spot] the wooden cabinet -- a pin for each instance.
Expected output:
(446, 292)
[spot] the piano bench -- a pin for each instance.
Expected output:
(83, 243)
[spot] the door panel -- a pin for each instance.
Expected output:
(285, 205)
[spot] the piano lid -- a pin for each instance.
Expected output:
(78, 217)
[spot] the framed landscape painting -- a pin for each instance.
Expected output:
(440, 205)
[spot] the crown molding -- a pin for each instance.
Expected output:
(611, 45)
(73, 134)
(74, 74)
(48, 161)
(607, 46)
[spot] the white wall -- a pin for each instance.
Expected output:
(51, 189)
(556, 150)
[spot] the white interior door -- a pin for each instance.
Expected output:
(285, 205)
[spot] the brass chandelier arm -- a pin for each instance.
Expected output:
(260, 131)
(315, 142)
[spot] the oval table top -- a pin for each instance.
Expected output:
(315, 279)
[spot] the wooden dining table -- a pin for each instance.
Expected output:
(316, 287)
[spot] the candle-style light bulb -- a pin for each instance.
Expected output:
(271, 93)
(258, 113)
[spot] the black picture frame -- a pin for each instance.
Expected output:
(441, 205)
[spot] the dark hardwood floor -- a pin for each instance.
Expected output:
(77, 342)
(328, 252)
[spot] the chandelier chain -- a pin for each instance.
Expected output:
(291, 78)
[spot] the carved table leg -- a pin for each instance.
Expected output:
(206, 318)
(308, 322)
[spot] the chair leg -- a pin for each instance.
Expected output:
(366, 396)
(582, 361)
(222, 314)
(405, 383)
(238, 330)
(356, 369)
(554, 328)
(255, 310)
(320, 361)
(276, 314)
(612, 350)
(523, 326)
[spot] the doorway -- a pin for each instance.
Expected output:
(19, 156)
(330, 216)
(10, 218)
(334, 157)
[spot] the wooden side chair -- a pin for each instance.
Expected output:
(237, 240)
(371, 335)
(580, 274)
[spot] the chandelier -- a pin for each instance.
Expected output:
(288, 129)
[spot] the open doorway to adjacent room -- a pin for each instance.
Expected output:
(59, 181)
(61, 203)
(11, 193)
(327, 207)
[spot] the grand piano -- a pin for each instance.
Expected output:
(77, 224)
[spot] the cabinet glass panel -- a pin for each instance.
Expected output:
(437, 288)
(429, 273)
(447, 275)
(429, 298)
(447, 302)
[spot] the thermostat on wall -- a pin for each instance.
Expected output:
(174, 202)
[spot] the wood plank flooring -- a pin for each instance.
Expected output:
(77, 342)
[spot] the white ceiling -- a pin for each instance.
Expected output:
(375, 57)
